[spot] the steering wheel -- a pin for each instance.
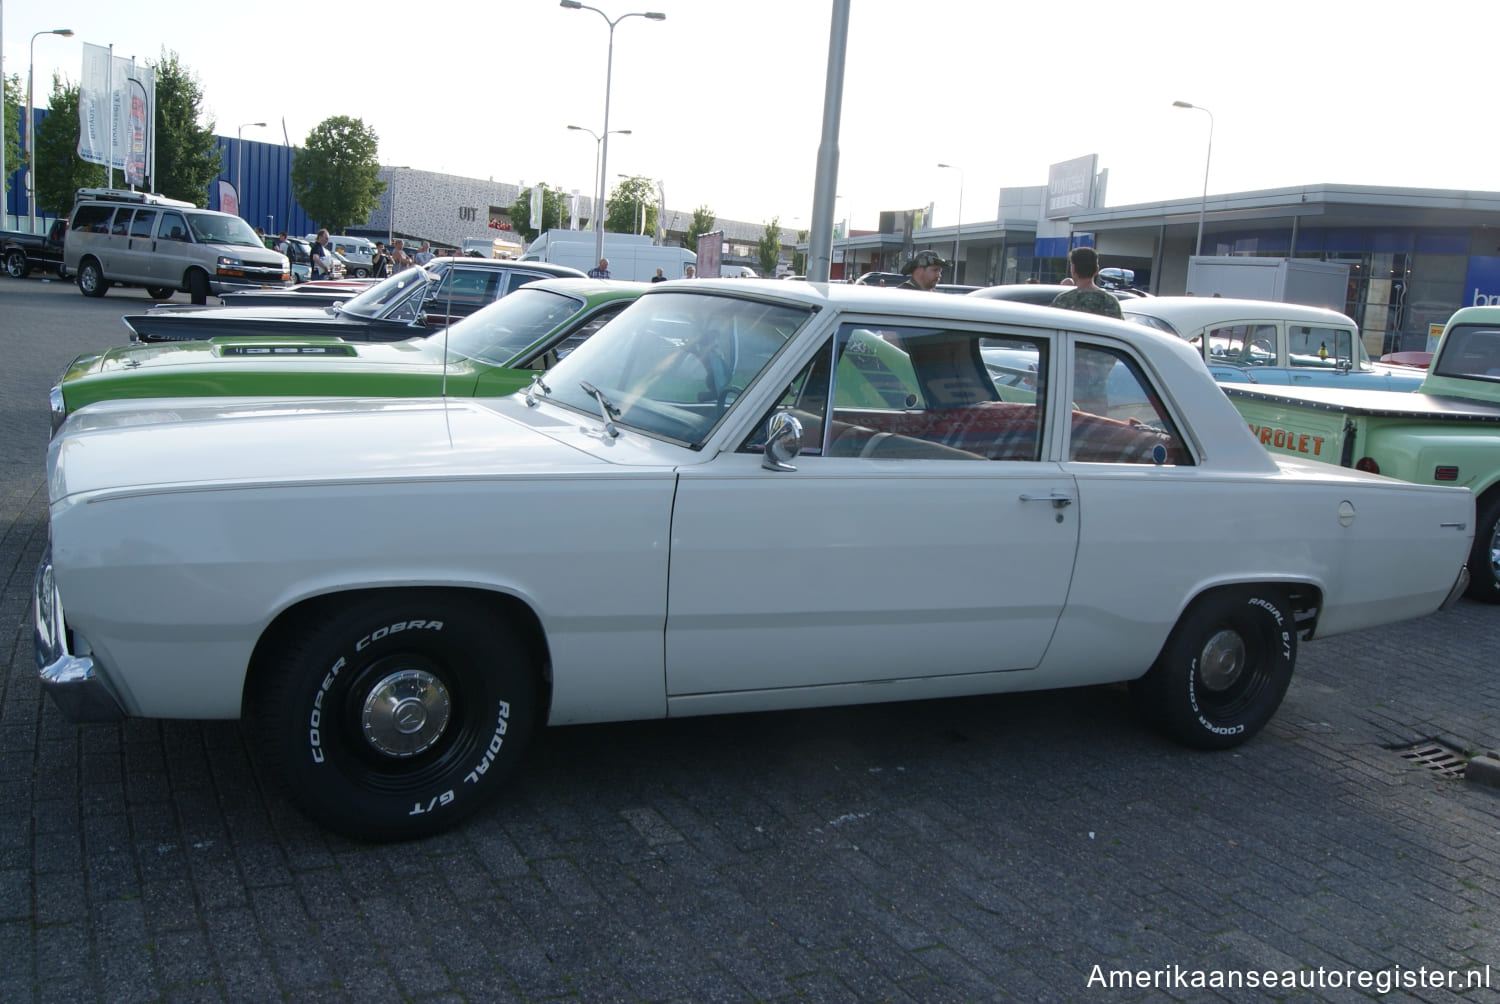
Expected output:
(720, 355)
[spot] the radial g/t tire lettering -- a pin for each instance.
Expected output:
(1224, 669)
(395, 717)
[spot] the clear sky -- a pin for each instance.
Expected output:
(725, 99)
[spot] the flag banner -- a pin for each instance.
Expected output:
(229, 199)
(108, 92)
(537, 207)
(573, 210)
(136, 136)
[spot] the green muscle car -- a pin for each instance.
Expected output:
(492, 352)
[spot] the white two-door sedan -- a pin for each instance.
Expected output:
(737, 496)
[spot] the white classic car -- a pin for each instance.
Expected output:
(738, 496)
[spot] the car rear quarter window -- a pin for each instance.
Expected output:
(1117, 415)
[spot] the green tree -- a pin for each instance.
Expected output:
(623, 210)
(799, 258)
(336, 177)
(59, 170)
(554, 212)
(703, 223)
(769, 247)
(187, 155)
(11, 103)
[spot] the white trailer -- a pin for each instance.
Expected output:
(631, 256)
(1289, 280)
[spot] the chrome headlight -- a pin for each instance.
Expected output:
(57, 406)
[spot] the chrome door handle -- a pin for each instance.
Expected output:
(1058, 501)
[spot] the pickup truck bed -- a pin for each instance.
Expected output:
(22, 253)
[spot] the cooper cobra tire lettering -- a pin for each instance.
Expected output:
(395, 714)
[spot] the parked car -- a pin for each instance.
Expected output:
(25, 253)
(118, 237)
(313, 292)
(409, 303)
(688, 515)
(1270, 342)
(1446, 432)
(1042, 293)
(493, 351)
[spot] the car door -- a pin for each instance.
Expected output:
(142, 247)
(174, 248)
(897, 548)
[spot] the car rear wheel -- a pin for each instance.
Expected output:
(197, 285)
(397, 716)
(160, 292)
(91, 281)
(16, 265)
(361, 273)
(1484, 558)
(1224, 669)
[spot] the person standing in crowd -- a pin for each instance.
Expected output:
(321, 256)
(399, 258)
(1083, 265)
(658, 277)
(380, 262)
(600, 271)
(280, 244)
(424, 254)
(691, 272)
(922, 271)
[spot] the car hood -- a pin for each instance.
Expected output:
(268, 355)
(195, 444)
(185, 313)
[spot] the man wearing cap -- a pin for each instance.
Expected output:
(922, 271)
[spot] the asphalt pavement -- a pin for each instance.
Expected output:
(1027, 847)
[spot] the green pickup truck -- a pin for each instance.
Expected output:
(1447, 433)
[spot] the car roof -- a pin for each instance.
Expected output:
(1189, 313)
(508, 264)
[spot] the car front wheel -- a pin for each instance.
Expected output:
(160, 292)
(16, 265)
(1224, 669)
(396, 717)
(91, 280)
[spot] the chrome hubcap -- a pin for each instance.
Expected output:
(1222, 660)
(405, 713)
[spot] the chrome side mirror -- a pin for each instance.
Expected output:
(783, 442)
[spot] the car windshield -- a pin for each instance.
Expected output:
(378, 299)
(496, 333)
(671, 364)
(217, 228)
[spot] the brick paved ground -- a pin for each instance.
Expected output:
(982, 849)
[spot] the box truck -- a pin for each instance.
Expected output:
(1290, 280)
(631, 256)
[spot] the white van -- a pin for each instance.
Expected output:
(631, 256)
(120, 237)
(357, 252)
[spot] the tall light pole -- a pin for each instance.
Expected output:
(594, 216)
(1207, 159)
(958, 228)
(239, 160)
(31, 125)
(609, 68)
(390, 220)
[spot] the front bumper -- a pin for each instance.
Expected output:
(80, 692)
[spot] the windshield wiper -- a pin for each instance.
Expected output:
(605, 408)
(537, 384)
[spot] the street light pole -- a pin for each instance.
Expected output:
(594, 216)
(958, 228)
(239, 160)
(1207, 159)
(31, 124)
(609, 67)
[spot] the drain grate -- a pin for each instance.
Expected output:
(1436, 757)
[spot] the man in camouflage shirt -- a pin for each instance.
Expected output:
(922, 271)
(1083, 263)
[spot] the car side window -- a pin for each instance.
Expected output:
(121, 222)
(517, 278)
(908, 393)
(1243, 344)
(561, 349)
(1117, 415)
(92, 219)
(143, 222)
(173, 227)
(1314, 346)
